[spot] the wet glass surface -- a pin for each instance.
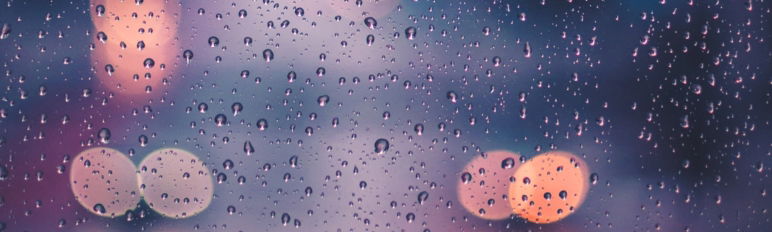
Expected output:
(385, 115)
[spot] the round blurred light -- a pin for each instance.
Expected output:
(175, 183)
(104, 181)
(549, 187)
(483, 184)
(139, 49)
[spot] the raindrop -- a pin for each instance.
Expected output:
(248, 41)
(527, 50)
(262, 124)
(466, 177)
(267, 55)
(101, 36)
(300, 12)
(285, 219)
(323, 100)
(371, 23)
(187, 55)
(236, 108)
(452, 96)
(370, 39)
(410, 33)
(213, 41)
(148, 63)
(422, 197)
(362, 184)
(508, 163)
(227, 164)
(100, 209)
(381, 146)
(100, 10)
(410, 217)
(419, 129)
(143, 140)
(221, 178)
(220, 120)
(248, 148)
(104, 135)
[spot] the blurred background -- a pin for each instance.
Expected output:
(288, 105)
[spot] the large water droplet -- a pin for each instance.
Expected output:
(381, 146)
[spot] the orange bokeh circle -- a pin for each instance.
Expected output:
(549, 187)
(153, 24)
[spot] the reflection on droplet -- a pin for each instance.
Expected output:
(549, 173)
(167, 188)
(483, 185)
(104, 181)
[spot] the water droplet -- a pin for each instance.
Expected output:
(419, 129)
(594, 178)
(143, 140)
(221, 178)
(452, 96)
(227, 164)
(100, 209)
(101, 36)
(508, 163)
(100, 10)
(236, 108)
(300, 12)
(285, 218)
(323, 100)
(410, 33)
(370, 39)
(466, 177)
(220, 120)
(527, 50)
(410, 217)
(248, 148)
(422, 197)
(262, 124)
(371, 23)
(268, 55)
(213, 41)
(381, 146)
(187, 55)
(104, 135)
(148, 63)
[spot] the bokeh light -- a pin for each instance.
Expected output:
(104, 181)
(135, 45)
(175, 183)
(483, 184)
(549, 187)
